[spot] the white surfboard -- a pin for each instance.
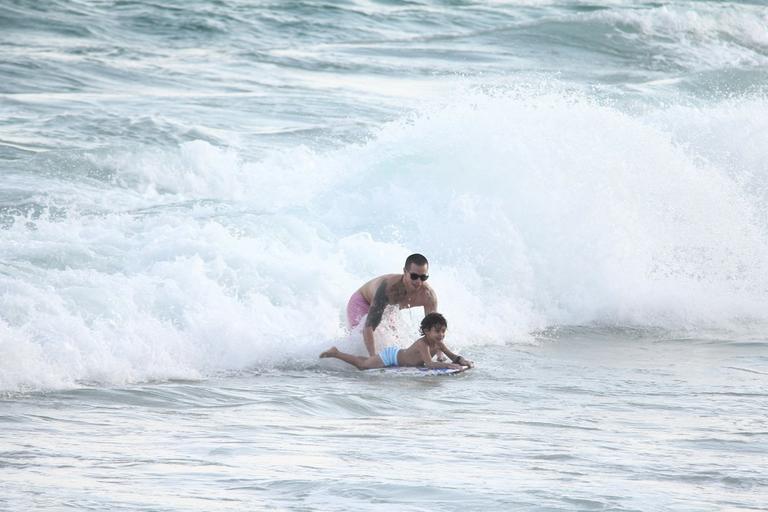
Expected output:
(414, 371)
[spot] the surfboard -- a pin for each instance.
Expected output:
(413, 371)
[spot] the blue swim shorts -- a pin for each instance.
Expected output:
(389, 356)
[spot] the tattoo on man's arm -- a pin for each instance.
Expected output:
(377, 308)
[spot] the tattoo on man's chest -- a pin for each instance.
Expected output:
(397, 293)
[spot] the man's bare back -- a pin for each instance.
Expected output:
(406, 290)
(397, 293)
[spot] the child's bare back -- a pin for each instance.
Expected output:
(414, 355)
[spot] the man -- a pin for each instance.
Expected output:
(406, 290)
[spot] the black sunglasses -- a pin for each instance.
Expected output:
(415, 276)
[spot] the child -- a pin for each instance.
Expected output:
(420, 353)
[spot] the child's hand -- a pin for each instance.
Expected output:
(463, 361)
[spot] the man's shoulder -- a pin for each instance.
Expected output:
(429, 293)
(390, 279)
(382, 279)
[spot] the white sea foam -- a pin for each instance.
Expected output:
(536, 208)
(575, 209)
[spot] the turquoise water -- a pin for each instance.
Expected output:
(190, 191)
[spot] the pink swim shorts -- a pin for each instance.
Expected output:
(357, 308)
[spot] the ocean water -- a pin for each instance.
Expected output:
(190, 191)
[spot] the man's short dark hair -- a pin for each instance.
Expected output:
(416, 259)
(432, 320)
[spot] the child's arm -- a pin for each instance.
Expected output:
(457, 359)
(426, 359)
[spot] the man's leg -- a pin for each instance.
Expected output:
(357, 308)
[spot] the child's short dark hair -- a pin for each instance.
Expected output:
(432, 320)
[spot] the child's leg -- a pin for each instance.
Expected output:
(360, 362)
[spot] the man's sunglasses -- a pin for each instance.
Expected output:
(415, 276)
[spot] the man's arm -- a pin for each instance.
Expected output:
(430, 303)
(374, 317)
(370, 345)
(430, 306)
